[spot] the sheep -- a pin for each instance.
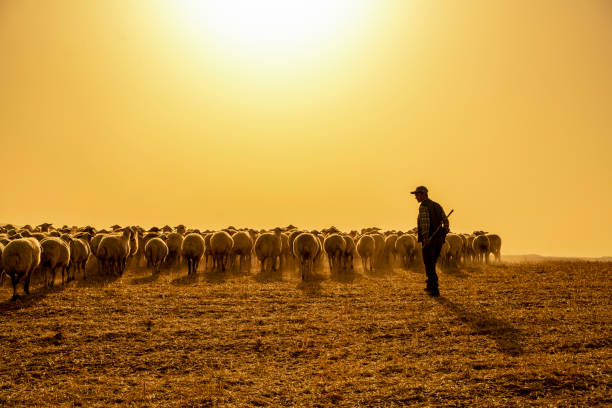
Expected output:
(44, 227)
(207, 249)
(305, 248)
(495, 246)
(286, 251)
(379, 247)
(334, 246)
(444, 251)
(390, 252)
(318, 259)
(455, 246)
(406, 247)
(79, 253)
(463, 247)
(55, 255)
(19, 258)
(221, 244)
(268, 247)
(481, 246)
(95, 242)
(114, 250)
(174, 241)
(366, 247)
(1, 267)
(192, 250)
(134, 240)
(243, 245)
(39, 236)
(349, 253)
(469, 254)
(155, 252)
(292, 236)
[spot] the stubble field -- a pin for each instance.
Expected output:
(530, 334)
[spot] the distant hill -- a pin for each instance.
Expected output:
(542, 258)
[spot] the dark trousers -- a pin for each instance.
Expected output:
(430, 256)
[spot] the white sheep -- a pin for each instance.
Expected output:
(113, 252)
(268, 247)
(192, 250)
(19, 259)
(207, 250)
(221, 244)
(55, 255)
(390, 253)
(174, 240)
(349, 254)
(455, 246)
(243, 246)
(495, 245)
(334, 246)
(79, 253)
(1, 266)
(379, 248)
(286, 251)
(469, 254)
(406, 247)
(155, 253)
(366, 248)
(480, 246)
(306, 246)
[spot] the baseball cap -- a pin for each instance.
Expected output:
(419, 189)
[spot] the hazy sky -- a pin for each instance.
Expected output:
(155, 112)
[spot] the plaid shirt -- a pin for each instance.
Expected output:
(423, 221)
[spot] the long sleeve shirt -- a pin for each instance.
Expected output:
(423, 221)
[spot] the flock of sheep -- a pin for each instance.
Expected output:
(46, 250)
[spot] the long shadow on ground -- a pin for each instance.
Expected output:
(454, 271)
(344, 276)
(508, 338)
(25, 301)
(269, 276)
(185, 280)
(310, 287)
(146, 279)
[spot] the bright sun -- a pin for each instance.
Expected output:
(272, 28)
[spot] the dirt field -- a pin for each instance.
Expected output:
(506, 335)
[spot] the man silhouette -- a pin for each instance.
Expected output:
(432, 225)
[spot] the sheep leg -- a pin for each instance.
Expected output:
(26, 282)
(49, 274)
(14, 280)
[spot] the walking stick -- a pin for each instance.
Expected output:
(438, 229)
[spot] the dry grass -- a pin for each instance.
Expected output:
(507, 335)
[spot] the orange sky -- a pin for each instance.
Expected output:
(133, 112)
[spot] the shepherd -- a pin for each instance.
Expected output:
(432, 225)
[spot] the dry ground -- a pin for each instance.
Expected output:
(505, 335)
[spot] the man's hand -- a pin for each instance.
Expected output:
(426, 241)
